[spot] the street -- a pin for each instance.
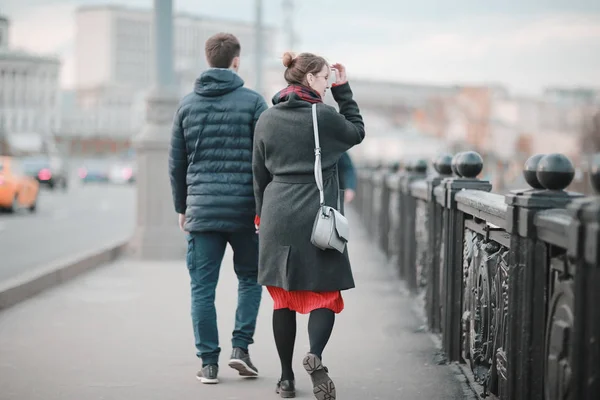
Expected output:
(65, 224)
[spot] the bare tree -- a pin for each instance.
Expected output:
(590, 145)
(591, 134)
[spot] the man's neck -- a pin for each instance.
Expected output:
(224, 69)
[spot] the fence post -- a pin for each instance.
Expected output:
(393, 243)
(417, 170)
(528, 273)
(367, 197)
(432, 297)
(360, 190)
(401, 231)
(584, 249)
(384, 220)
(376, 186)
(466, 166)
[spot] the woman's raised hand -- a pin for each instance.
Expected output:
(340, 73)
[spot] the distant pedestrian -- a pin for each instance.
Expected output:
(300, 277)
(210, 166)
(347, 176)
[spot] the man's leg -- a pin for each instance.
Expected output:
(204, 256)
(245, 261)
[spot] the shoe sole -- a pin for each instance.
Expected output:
(207, 380)
(243, 368)
(323, 387)
(285, 394)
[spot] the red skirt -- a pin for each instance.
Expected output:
(304, 302)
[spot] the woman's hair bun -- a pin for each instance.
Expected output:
(288, 57)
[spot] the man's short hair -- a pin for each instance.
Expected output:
(221, 49)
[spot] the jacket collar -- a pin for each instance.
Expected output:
(217, 82)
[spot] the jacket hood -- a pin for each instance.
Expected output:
(217, 82)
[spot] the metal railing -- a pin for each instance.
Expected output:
(510, 283)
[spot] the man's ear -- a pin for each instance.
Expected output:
(235, 64)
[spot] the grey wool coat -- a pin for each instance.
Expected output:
(286, 194)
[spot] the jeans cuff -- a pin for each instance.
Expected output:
(209, 359)
(240, 343)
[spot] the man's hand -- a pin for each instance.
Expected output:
(182, 222)
(349, 195)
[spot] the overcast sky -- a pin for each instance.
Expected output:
(523, 44)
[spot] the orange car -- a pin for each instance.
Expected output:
(16, 189)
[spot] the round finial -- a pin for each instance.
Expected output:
(454, 164)
(395, 167)
(555, 172)
(443, 164)
(469, 164)
(530, 171)
(595, 173)
(420, 166)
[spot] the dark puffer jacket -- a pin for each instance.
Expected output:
(210, 157)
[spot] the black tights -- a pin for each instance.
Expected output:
(320, 326)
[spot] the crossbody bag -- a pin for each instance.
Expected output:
(330, 229)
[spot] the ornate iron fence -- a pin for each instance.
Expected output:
(511, 283)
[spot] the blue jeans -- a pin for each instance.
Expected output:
(204, 257)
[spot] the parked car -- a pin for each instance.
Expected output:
(94, 170)
(107, 170)
(122, 172)
(50, 171)
(17, 190)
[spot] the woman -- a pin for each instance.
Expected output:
(300, 277)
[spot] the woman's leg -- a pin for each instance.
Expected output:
(320, 326)
(284, 330)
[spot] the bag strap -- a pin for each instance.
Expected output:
(318, 171)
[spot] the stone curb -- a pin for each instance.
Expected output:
(25, 286)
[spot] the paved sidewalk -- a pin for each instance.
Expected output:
(123, 332)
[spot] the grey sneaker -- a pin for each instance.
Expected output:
(209, 374)
(286, 389)
(323, 387)
(240, 361)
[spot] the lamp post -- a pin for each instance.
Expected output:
(288, 22)
(157, 235)
(259, 45)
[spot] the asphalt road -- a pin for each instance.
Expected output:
(65, 224)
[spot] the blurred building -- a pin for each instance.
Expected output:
(573, 96)
(114, 46)
(29, 90)
(114, 59)
(507, 129)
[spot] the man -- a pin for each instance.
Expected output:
(347, 177)
(210, 166)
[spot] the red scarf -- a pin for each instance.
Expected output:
(303, 92)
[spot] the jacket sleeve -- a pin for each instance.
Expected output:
(351, 129)
(261, 105)
(178, 164)
(347, 173)
(261, 174)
